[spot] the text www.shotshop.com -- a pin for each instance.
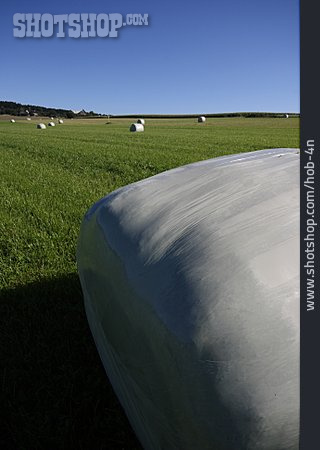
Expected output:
(310, 224)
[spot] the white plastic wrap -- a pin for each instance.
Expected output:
(138, 127)
(191, 287)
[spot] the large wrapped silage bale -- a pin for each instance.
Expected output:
(191, 287)
(137, 127)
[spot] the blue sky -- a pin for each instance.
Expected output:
(194, 57)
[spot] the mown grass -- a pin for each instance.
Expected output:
(54, 390)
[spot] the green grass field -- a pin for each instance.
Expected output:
(54, 392)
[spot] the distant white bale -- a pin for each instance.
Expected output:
(142, 121)
(60, 121)
(12, 121)
(28, 118)
(137, 127)
(41, 126)
(51, 118)
(191, 289)
(51, 124)
(287, 116)
(201, 119)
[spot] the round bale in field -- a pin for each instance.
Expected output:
(28, 118)
(201, 119)
(137, 127)
(142, 121)
(287, 116)
(12, 121)
(51, 124)
(191, 287)
(60, 121)
(41, 126)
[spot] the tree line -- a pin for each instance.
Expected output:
(18, 109)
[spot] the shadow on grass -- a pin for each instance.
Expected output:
(54, 391)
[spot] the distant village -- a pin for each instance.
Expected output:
(18, 109)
